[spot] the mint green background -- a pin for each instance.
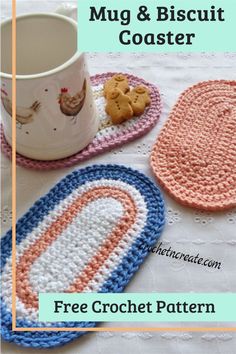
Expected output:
(225, 307)
(104, 36)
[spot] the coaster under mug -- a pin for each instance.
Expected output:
(109, 136)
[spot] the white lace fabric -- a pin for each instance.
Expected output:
(190, 231)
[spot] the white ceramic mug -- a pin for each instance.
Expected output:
(55, 110)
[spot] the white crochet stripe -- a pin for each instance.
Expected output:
(120, 251)
(53, 271)
(113, 260)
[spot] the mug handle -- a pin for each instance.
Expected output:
(68, 10)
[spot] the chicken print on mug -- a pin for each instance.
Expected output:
(72, 105)
(24, 115)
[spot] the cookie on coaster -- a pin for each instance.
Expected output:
(117, 81)
(140, 99)
(118, 106)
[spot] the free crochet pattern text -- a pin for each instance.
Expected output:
(159, 306)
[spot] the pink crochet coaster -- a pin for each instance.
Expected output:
(109, 136)
(194, 157)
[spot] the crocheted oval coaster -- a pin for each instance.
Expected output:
(109, 136)
(85, 235)
(194, 157)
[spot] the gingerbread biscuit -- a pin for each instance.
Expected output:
(140, 99)
(118, 106)
(117, 81)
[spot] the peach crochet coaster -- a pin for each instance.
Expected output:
(194, 157)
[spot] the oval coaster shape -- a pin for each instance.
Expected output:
(83, 236)
(109, 136)
(194, 157)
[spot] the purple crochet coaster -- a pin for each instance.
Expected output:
(109, 136)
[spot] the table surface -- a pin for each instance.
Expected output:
(212, 235)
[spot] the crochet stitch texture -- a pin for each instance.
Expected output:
(83, 236)
(109, 137)
(194, 157)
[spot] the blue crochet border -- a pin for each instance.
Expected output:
(118, 279)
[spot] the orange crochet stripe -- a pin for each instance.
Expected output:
(194, 157)
(24, 290)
